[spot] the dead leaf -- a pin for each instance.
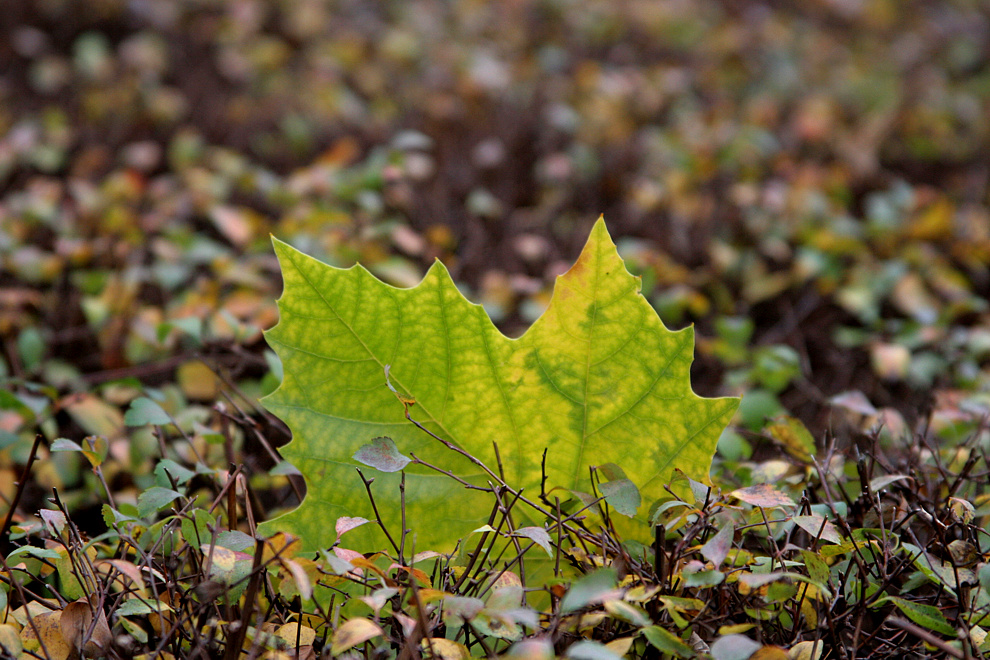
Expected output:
(814, 523)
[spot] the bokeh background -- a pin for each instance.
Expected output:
(806, 182)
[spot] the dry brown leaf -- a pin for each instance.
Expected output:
(79, 630)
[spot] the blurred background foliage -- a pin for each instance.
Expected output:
(806, 182)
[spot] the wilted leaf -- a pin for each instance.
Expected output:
(94, 415)
(854, 401)
(459, 609)
(54, 521)
(631, 402)
(815, 525)
(764, 496)
(717, 548)
(620, 646)
(538, 535)
(382, 454)
(345, 524)
(197, 381)
(879, 483)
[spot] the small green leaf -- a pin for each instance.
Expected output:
(144, 411)
(816, 566)
(40, 553)
(627, 612)
(138, 607)
(667, 642)
(168, 468)
(154, 499)
(382, 454)
(591, 588)
(622, 495)
(924, 615)
(31, 348)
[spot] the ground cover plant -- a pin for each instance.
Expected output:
(804, 183)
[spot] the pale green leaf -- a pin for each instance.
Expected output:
(144, 411)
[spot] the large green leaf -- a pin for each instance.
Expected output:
(596, 379)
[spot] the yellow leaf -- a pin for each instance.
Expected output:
(794, 437)
(806, 651)
(293, 632)
(352, 633)
(197, 381)
(444, 649)
(621, 646)
(45, 630)
(10, 641)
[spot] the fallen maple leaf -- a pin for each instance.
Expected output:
(596, 379)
